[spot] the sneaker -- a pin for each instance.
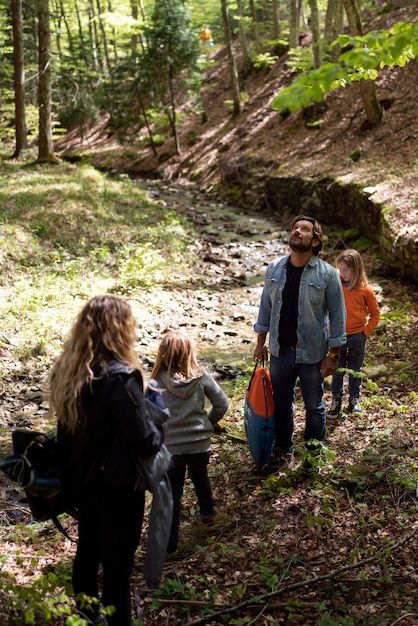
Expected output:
(354, 406)
(282, 460)
(335, 409)
(309, 469)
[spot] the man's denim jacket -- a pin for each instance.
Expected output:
(321, 316)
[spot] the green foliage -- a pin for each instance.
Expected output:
(308, 88)
(300, 59)
(171, 43)
(363, 60)
(379, 49)
(42, 601)
(76, 232)
(264, 61)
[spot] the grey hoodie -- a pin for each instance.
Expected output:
(190, 425)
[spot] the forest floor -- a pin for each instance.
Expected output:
(338, 548)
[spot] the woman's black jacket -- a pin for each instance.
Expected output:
(113, 430)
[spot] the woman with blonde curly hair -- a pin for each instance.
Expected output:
(95, 390)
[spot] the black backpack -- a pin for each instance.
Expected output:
(34, 466)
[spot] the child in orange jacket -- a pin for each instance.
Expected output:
(363, 315)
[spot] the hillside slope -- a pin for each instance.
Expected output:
(220, 152)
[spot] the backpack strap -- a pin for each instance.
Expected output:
(62, 530)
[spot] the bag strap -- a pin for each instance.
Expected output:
(62, 530)
(258, 363)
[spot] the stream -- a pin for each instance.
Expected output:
(219, 311)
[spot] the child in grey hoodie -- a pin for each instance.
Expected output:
(185, 388)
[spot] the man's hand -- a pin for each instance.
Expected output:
(261, 352)
(328, 367)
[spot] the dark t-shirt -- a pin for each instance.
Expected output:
(288, 322)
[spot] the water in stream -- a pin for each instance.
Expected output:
(235, 247)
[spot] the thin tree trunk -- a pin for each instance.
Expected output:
(242, 37)
(82, 43)
(173, 110)
(255, 26)
(294, 23)
(231, 59)
(276, 20)
(372, 106)
(94, 39)
(316, 35)
(134, 36)
(333, 27)
(141, 6)
(103, 33)
(115, 47)
(63, 17)
(57, 17)
(45, 149)
(19, 78)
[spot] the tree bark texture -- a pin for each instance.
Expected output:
(45, 150)
(232, 64)
(294, 23)
(19, 78)
(316, 34)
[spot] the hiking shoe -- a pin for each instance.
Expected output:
(282, 460)
(209, 521)
(309, 469)
(354, 406)
(287, 459)
(335, 409)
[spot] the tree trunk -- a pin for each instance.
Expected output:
(82, 44)
(45, 149)
(246, 56)
(333, 27)
(372, 106)
(94, 39)
(254, 26)
(103, 33)
(276, 20)
(114, 41)
(294, 22)
(173, 116)
(316, 36)
(231, 59)
(19, 78)
(60, 11)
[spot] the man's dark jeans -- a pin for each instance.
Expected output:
(284, 373)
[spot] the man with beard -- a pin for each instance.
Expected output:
(302, 309)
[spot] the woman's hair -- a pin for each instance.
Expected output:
(354, 261)
(317, 230)
(176, 357)
(105, 329)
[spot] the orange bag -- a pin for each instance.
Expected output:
(259, 415)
